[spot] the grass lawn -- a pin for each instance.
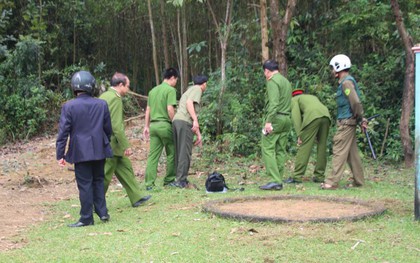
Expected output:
(173, 228)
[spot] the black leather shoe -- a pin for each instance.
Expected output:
(168, 183)
(183, 184)
(291, 181)
(173, 184)
(317, 180)
(142, 200)
(105, 218)
(80, 224)
(177, 184)
(271, 186)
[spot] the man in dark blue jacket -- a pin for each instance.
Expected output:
(86, 120)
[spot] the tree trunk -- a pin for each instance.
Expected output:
(164, 38)
(408, 92)
(152, 29)
(223, 34)
(264, 31)
(180, 53)
(174, 36)
(275, 28)
(40, 39)
(74, 41)
(280, 29)
(184, 42)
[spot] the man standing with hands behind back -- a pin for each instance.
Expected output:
(158, 126)
(87, 122)
(277, 124)
(120, 164)
(349, 115)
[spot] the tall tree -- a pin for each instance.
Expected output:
(182, 30)
(279, 28)
(152, 29)
(164, 37)
(408, 92)
(264, 31)
(223, 31)
(184, 45)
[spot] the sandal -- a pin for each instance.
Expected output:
(325, 186)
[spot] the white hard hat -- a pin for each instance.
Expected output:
(340, 62)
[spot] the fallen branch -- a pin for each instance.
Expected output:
(135, 117)
(137, 95)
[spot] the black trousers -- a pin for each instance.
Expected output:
(90, 182)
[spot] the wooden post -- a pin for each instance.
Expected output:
(416, 50)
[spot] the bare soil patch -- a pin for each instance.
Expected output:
(293, 209)
(30, 179)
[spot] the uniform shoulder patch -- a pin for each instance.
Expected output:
(347, 91)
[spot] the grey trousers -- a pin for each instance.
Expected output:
(183, 139)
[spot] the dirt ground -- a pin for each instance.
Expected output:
(295, 210)
(30, 178)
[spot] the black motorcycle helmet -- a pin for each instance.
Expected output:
(83, 81)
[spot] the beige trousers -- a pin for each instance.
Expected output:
(345, 150)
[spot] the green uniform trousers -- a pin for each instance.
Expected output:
(183, 139)
(123, 170)
(160, 137)
(317, 129)
(345, 150)
(273, 148)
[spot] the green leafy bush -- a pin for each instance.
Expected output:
(27, 107)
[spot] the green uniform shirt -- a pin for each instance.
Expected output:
(193, 93)
(119, 141)
(160, 97)
(277, 97)
(305, 109)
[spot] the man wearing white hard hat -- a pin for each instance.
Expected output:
(349, 115)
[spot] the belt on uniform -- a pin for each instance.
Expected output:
(283, 113)
(349, 121)
(155, 121)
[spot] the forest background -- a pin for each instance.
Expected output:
(43, 42)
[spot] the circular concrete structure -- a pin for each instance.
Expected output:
(293, 208)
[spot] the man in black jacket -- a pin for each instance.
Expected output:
(86, 120)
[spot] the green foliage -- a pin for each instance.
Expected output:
(24, 111)
(178, 3)
(25, 102)
(241, 109)
(378, 66)
(53, 39)
(377, 58)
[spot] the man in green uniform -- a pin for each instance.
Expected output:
(185, 125)
(277, 124)
(311, 121)
(119, 164)
(349, 114)
(158, 126)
